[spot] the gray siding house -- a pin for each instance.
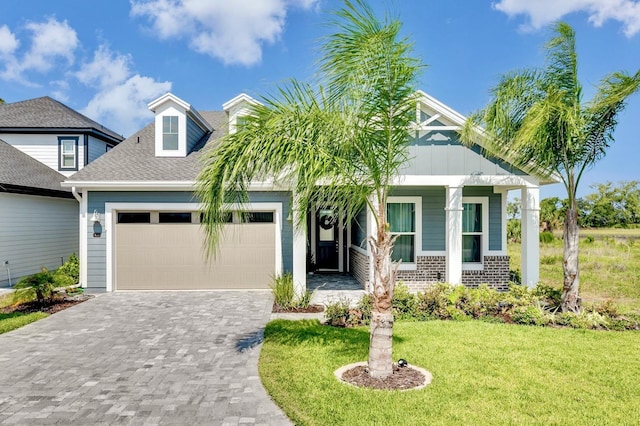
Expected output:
(42, 141)
(140, 220)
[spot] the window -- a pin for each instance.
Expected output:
(170, 133)
(472, 229)
(402, 220)
(174, 217)
(134, 217)
(259, 217)
(68, 153)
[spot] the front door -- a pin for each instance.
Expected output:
(327, 243)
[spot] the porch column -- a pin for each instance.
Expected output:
(299, 224)
(454, 235)
(530, 236)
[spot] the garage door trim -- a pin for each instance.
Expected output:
(111, 214)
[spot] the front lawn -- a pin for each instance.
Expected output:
(15, 320)
(483, 373)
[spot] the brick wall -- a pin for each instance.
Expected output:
(359, 266)
(432, 269)
(495, 273)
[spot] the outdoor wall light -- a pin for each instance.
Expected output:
(96, 217)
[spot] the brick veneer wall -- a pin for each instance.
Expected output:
(495, 273)
(359, 266)
(432, 269)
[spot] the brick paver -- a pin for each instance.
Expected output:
(143, 358)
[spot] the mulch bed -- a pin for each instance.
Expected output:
(311, 309)
(52, 306)
(403, 378)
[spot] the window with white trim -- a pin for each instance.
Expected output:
(68, 153)
(170, 133)
(475, 231)
(402, 222)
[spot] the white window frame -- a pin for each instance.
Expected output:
(484, 235)
(63, 154)
(417, 241)
(171, 131)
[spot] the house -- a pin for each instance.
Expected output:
(140, 219)
(42, 141)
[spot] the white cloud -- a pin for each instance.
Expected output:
(52, 41)
(122, 96)
(543, 12)
(8, 41)
(233, 31)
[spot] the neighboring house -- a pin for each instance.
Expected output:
(140, 219)
(41, 142)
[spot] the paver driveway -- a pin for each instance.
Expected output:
(187, 358)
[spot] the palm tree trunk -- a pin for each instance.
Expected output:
(571, 301)
(384, 277)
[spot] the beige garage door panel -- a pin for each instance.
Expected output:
(171, 257)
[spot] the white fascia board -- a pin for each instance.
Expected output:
(160, 186)
(197, 118)
(441, 108)
(467, 180)
(241, 98)
(168, 97)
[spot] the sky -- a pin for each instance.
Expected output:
(108, 59)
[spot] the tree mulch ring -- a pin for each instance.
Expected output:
(403, 378)
(311, 309)
(56, 304)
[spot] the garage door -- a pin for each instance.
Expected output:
(164, 251)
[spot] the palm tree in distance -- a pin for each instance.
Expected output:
(537, 118)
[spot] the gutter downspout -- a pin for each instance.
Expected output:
(81, 242)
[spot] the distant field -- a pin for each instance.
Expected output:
(609, 266)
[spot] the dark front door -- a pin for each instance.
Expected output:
(327, 251)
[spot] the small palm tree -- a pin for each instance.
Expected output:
(537, 118)
(341, 143)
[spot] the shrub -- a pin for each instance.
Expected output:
(552, 297)
(284, 294)
(589, 239)
(41, 284)
(404, 303)
(341, 314)
(71, 268)
(530, 315)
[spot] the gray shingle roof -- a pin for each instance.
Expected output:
(20, 169)
(47, 113)
(134, 159)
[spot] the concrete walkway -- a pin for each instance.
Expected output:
(143, 358)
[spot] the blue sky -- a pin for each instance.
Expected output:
(108, 59)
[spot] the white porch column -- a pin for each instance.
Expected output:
(454, 235)
(530, 236)
(299, 251)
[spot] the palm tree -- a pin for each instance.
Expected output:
(538, 119)
(340, 142)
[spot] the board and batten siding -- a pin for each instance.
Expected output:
(97, 246)
(35, 232)
(194, 134)
(434, 215)
(44, 148)
(441, 153)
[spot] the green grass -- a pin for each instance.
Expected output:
(609, 267)
(482, 374)
(15, 320)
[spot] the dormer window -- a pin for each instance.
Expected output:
(170, 133)
(178, 126)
